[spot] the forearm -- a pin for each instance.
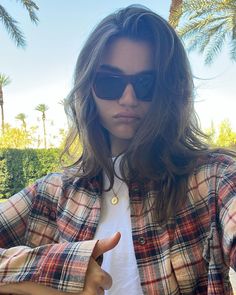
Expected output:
(58, 266)
(30, 288)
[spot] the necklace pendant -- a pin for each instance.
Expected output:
(115, 200)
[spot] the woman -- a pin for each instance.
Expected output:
(146, 192)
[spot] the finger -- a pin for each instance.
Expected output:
(105, 245)
(106, 281)
(100, 283)
(96, 278)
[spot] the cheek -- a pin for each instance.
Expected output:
(145, 107)
(99, 105)
(102, 109)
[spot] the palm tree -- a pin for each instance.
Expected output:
(4, 81)
(11, 24)
(43, 108)
(21, 117)
(207, 25)
(175, 12)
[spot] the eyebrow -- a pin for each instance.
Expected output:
(111, 68)
(117, 70)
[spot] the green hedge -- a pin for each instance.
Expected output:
(19, 168)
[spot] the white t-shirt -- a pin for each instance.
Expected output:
(120, 262)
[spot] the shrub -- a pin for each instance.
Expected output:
(19, 168)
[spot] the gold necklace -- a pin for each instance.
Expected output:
(115, 198)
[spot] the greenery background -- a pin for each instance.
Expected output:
(21, 167)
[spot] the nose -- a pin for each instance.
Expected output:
(128, 97)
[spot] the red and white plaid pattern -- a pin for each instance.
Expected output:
(47, 230)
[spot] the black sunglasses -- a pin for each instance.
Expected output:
(111, 86)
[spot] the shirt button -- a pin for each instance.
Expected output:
(52, 215)
(141, 241)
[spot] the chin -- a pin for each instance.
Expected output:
(125, 133)
(124, 136)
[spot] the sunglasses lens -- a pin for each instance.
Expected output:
(111, 87)
(108, 87)
(144, 87)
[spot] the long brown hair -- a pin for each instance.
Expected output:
(168, 143)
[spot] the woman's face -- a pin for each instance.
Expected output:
(122, 116)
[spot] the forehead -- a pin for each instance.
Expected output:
(129, 56)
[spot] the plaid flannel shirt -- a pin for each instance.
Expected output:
(47, 230)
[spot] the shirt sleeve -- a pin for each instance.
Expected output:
(227, 213)
(61, 266)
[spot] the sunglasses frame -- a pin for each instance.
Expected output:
(125, 79)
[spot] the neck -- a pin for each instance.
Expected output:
(119, 146)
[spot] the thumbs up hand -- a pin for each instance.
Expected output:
(97, 280)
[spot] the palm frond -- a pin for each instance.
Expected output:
(203, 25)
(207, 25)
(193, 43)
(199, 6)
(233, 50)
(31, 7)
(20, 116)
(41, 108)
(208, 36)
(4, 80)
(193, 27)
(226, 6)
(11, 26)
(190, 7)
(234, 32)
(198, 42)
(214, 46)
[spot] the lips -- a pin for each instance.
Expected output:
(126, 115)
(126, 118)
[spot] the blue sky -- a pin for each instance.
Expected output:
(43, 71)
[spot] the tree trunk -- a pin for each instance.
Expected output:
(44, 134)
(2, 111)
(175, 5)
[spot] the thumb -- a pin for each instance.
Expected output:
(105, 245)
